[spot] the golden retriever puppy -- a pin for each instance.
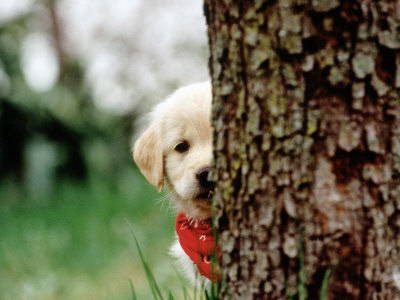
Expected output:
(175, 151)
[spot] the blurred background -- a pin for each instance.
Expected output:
(76, 79)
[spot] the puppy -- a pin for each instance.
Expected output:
(175, 151)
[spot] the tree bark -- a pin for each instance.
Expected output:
(306, 119)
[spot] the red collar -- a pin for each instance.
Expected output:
(197, 240)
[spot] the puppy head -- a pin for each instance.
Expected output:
(176, 149)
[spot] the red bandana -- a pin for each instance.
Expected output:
(197, 240)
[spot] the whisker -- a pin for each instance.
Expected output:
(166, 199)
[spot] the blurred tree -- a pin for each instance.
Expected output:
(307, 147)
(64, 116)
(13, 134)
(22, 116)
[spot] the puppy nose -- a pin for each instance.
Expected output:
(202, 177)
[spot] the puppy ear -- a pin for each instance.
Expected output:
(147, 154)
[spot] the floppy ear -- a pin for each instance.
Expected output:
(147, 154)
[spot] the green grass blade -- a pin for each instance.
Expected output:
(157, 295)
(152, 282)
(206, 294)
(170, 297)
(213, 290)
(324, 288)
(196, 276)
(182, 281)
(133, 290)
(288, 291)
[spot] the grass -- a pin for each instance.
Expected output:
(74, 243)
(195, 293)
(302, 278)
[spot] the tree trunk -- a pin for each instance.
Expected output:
(306, 120)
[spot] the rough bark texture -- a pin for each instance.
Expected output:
(306, 122)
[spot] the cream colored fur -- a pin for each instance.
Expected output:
(184, 116)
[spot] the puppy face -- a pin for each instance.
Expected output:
(176, 149)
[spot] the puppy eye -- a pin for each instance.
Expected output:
(182, 147)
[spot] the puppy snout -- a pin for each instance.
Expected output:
(202, 177)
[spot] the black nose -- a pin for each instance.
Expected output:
(202, 177)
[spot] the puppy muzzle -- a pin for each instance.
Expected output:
(206, 187)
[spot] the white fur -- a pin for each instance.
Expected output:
(185, 265)
(184, 116)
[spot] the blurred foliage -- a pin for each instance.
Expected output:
(67, 187)
(57, 134)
